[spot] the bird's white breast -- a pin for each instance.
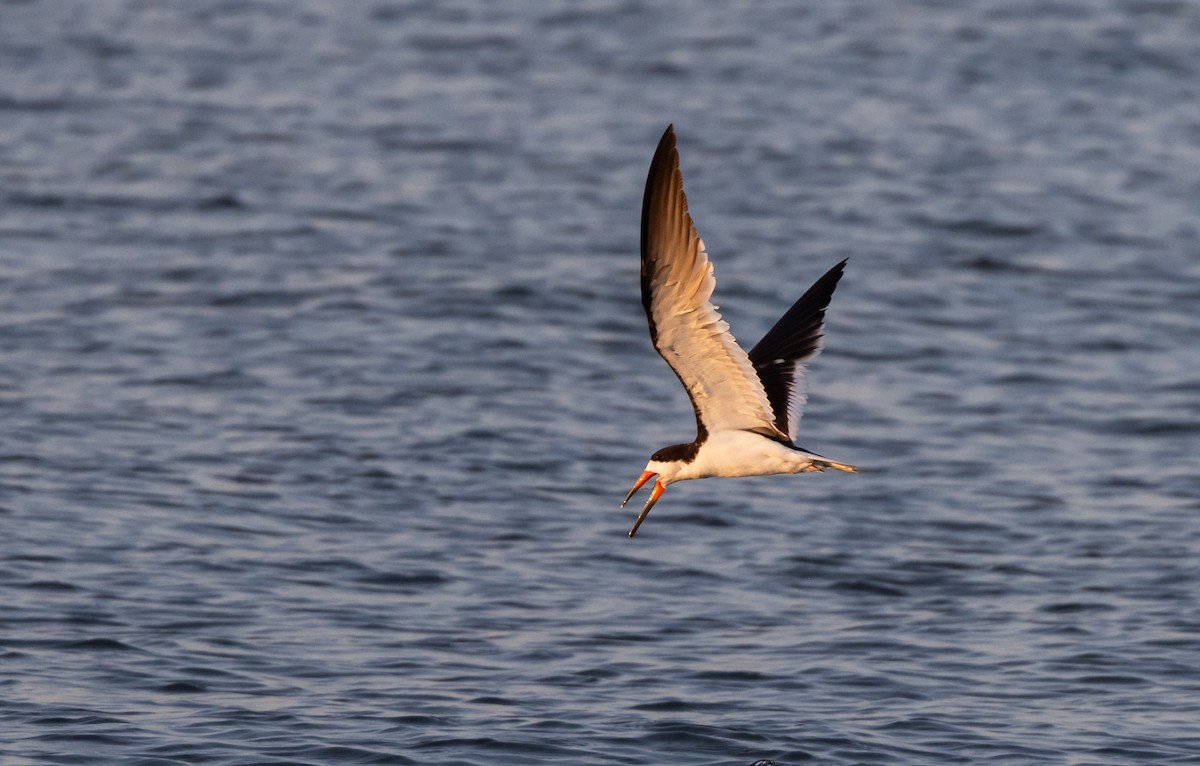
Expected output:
(741, 453)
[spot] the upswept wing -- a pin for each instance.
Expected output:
(677, 282)
(780, 357)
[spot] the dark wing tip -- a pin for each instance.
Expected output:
(662, 181)
(665, 153)
(803, 321)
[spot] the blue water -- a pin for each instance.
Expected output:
(323, 371)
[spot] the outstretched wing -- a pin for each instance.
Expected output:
(780, 357)
(677, 282)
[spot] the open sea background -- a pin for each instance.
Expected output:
(323, 371)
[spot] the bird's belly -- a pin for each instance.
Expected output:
(740, 453)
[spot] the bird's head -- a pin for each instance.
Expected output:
(663, 467)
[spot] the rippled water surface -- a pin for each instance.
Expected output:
(323, 370)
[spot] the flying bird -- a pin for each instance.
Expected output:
(747, 405)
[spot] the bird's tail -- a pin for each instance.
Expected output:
(824, 463)
(812, 462)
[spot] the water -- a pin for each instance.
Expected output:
(322, 372)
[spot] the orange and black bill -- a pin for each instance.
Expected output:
(655, 494)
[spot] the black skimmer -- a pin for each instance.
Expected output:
(747, 405)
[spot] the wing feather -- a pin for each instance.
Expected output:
(780, 357)
(677, 283)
